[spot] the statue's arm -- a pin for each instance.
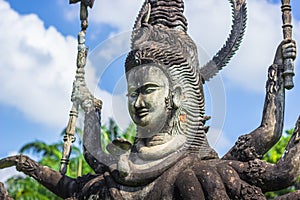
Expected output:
(61, 185)
(92, 149)
(258, 142)
(93, 153)
(272, 177)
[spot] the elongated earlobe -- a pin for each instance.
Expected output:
(177, 97)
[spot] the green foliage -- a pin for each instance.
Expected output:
(26, 188)
(273, 155)
(129, 133)
(113, 131)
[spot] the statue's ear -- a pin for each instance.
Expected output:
(177, 97)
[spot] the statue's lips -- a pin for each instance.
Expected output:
(142, 112)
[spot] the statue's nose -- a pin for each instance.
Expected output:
(139, 103)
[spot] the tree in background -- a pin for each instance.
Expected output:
(112, 131)
(273, 155)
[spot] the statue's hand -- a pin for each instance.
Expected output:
(289, 50)
(22, 163)
(82, 96)
(286, 50)
(8, 162)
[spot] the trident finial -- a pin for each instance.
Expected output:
(87, 3)
(83, 11)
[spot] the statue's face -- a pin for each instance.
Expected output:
(148, 87)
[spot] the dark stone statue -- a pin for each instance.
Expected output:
(170, 157)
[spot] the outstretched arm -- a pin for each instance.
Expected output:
(61, 185)
(258, 142)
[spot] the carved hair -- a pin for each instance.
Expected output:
(159, 36)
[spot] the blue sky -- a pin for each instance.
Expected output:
(38, 65)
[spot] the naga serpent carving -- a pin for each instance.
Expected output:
(170, 157)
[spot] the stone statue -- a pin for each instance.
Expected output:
(170, 157)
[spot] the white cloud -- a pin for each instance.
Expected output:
(38, 68)
(8, 173)
(118, 13)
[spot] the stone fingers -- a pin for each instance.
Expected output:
(289, 49)
(8, 162)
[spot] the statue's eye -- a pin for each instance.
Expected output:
(149, 90)
(133, 94)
